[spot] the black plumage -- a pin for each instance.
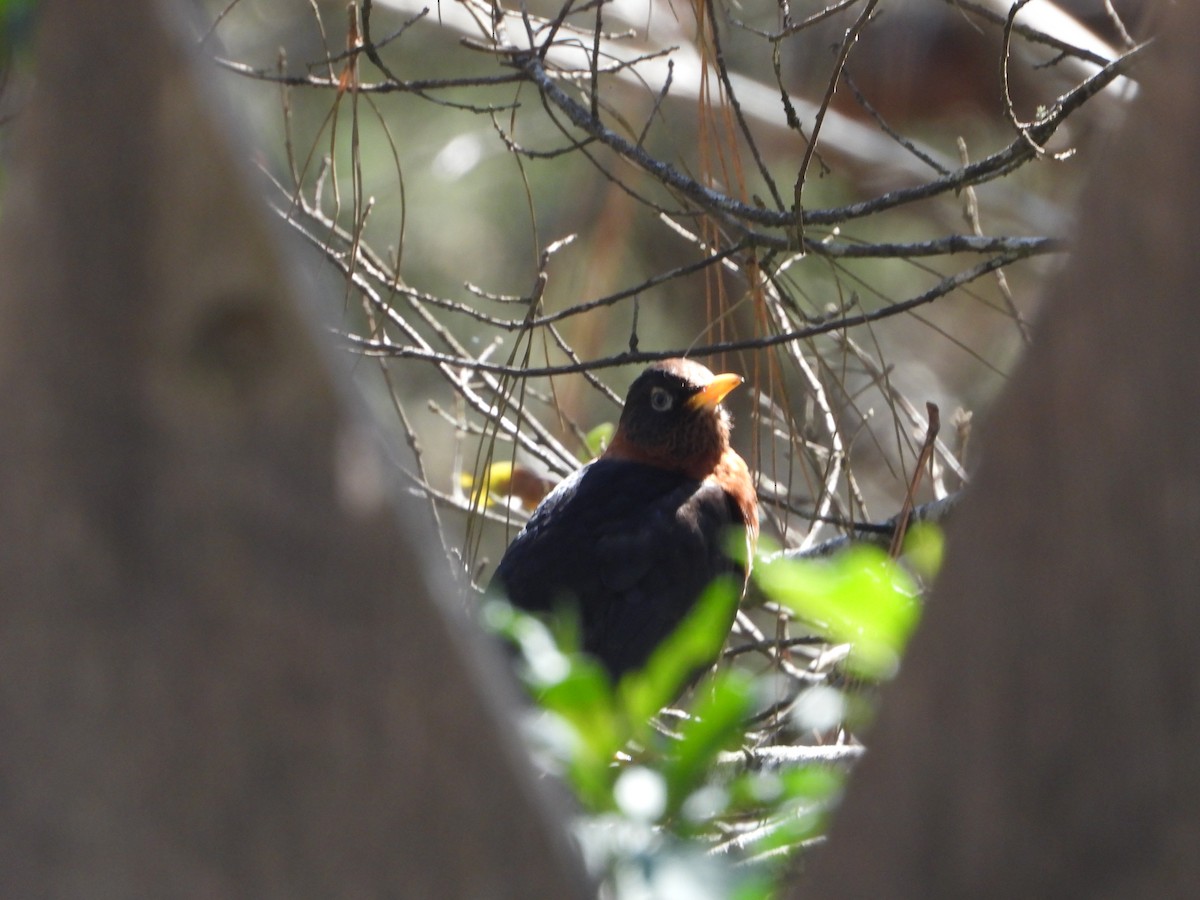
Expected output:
(629, 542)
(630, 546)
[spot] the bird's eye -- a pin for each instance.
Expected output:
(661, 399)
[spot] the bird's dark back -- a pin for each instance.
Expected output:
(630, 547)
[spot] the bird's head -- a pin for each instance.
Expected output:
(673, 418)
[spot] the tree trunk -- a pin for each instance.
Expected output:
(1042, 739)
(226, 669)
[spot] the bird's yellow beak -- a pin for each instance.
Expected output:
(714, 392)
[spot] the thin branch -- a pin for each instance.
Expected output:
(848, 41)
(376, 348)
(736, 212)
(1031, 34)
(879, 534)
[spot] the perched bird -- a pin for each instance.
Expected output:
(505, 479)
(632, 539)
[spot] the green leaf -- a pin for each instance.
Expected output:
(572, 688)
(597, 440)
(924, 548)
(584, 701)
(755, 886)
(860, 597)
(717, 723)
(814, 783)
(695, 644)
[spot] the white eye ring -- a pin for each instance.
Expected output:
(661, 399)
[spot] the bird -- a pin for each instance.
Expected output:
(629, 542)
(508, 479)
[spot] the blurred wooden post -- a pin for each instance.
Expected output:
(226, 669)
(1044, 736)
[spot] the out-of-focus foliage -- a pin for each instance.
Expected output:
(715, 798)
(18, 19)
(861, 597)
(16, 25)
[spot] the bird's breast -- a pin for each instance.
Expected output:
(733, 475)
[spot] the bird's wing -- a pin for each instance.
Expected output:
(630, 546)
(537, 565)
(656, 570)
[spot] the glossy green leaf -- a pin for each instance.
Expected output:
(695, 644)
(716, 724)
(860, 597)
